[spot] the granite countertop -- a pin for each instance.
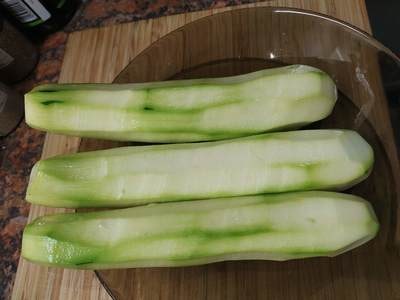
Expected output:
(22, 148)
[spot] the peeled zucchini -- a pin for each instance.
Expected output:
(272, 227)
(185, 110)
(268, 163)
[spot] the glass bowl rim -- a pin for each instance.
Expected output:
(281, 9)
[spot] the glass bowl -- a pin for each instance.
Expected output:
(368, 78)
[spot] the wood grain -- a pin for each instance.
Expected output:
(98, 55)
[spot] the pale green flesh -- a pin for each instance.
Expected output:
(268, 163)
(276, 227)
(186, 110)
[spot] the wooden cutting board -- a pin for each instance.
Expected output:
(98, 55)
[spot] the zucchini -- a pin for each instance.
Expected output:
(267, 163)
(185, 110)
(272, 227)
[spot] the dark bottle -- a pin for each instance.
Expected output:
(40, 16)
(18, 56)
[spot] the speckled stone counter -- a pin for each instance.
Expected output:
(22, 148)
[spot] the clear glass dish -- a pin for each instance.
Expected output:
(368, 77)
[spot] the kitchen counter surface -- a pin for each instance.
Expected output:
(22, 148)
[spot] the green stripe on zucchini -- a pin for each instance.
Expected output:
(277, 227)
(185, 110)
(268, 163)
